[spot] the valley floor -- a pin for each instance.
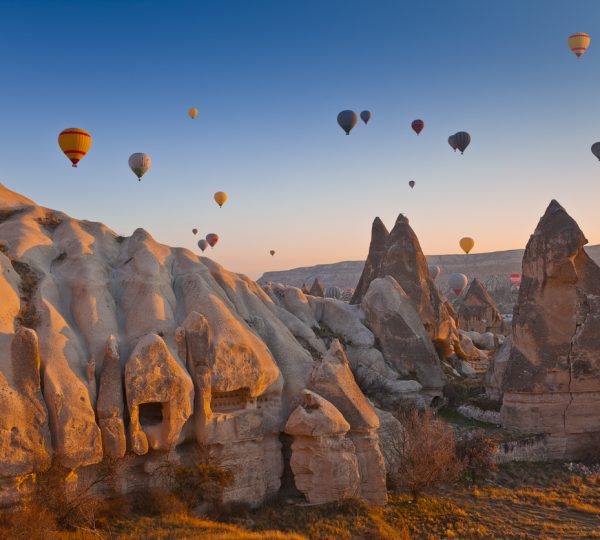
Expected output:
(520, 501)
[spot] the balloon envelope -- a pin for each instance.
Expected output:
(451, 142)
(365, 116)
(412, 183)
(578, 43)
(333, 292)
(75, 143)
(272, 252)
(212, 239)
(202, 244)
(195, 231)
(220, 198)
(418, 125)
(461, 140)
(596, 149)
(139, 163)
(457, 283)
(515, 280)
(193, 112)
(347, 120)
(434, 271)
(466, 244)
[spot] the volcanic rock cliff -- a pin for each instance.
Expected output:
(551, 382)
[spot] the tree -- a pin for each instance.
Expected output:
(476, 449)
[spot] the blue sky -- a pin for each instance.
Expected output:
(269, 78)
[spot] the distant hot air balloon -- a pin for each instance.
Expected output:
(75, 143)
(333, 292)
(347, 120)
(434, 271)
(412, 183)
(272, 252)
(212, 239)
(596, 149)
(418, 126)
(461, 140)
(202, 244)
(139, 163)
(578, 43)
(515, 280)
(451, 142)
(195, 231)
(193, 112)
(220, 198)
(466, 244)
(365, 116)
(457, 283)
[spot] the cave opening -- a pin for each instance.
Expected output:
(151, 413)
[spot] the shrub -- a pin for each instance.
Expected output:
(476, 449)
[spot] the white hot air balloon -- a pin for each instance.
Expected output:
(457, 283)
(139, 163)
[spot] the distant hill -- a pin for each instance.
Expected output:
(493, 269)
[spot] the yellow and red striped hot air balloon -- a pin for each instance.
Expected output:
(75, 143)
(578, 43)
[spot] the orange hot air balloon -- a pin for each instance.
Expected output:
(75, 143)
(466, 244)
(578, 43)
(220, 198)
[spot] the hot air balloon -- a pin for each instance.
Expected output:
(202, 244)
(195, 231)
(515, 280)
(365, 116)
(212, 239)
(333, 292)
(139, 163)
(347, 120)
(75, 143)
(272, 252)
(578, 43)
(412, 183)
(193, 112)
(220, 198)
(418, 126)
(457, 283)
(596, 149)
(461, 140)
(466, 244)
(434, 271)
(451, 142)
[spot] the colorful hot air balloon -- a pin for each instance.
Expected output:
(202, 244)
(347, 120)
(434, 271)
(75, 143)
(596, 149)
(578, 43)
(212, 239)
(417, 126)
(451, 142)
(139, 163)
(457, 283)
(412, 183)
(466, 244)
(195, 231)
(220, 198)
(365, 116)
(461, 140)
(193, 112)
(272, 252)
(333, 292)
(515, 280)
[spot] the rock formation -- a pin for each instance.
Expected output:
(478, 311)
(317, 288)
(552, 379)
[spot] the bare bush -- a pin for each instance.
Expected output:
(476, 449)
(426, 453)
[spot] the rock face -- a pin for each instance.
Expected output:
(552, 378)
(317, 288)
(478, 311)
(113, 347)
(494, 376)
(398, 254)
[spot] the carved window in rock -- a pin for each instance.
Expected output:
(151, 413)
(230, 401)
(267, 401)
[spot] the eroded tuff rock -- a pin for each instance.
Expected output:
(494, 375)
(155, 353)
(552, 378)
(317, 288)
(323, 460)
(478, 311)
(398, 254)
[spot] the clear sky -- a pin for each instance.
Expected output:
(269, 77)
